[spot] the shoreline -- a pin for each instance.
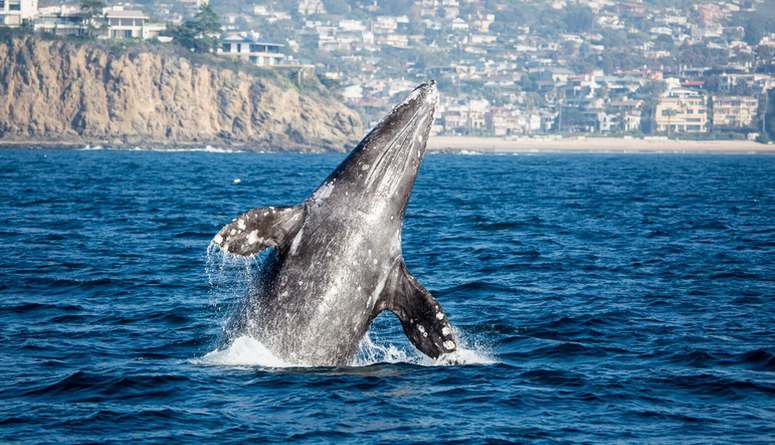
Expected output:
(167, 147)
(448, 144)
(593, 145)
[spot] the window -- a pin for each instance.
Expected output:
(15, 6)
(2, 4)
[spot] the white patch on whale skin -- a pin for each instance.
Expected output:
(296, 241)
(323, 192)
(449, 344)
(365, 167)
(377, 291)
(422, 330)
(439, 315)
(241, 224)
(253, 237)
(218, 239)
(445, 331)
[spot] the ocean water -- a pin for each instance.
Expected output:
(601, 299)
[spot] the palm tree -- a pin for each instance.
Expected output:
(91, 12)
(670, 113)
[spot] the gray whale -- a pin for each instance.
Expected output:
(336, 261)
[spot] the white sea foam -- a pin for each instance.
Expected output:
(244, 351)
(372, 353)
(206, 149)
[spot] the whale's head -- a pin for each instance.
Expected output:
(384, 165)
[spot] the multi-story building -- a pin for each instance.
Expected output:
(734, 112)
(514, 122)
(311, 7)
(60, 20)
(250, 49)
(682, 110)
(115, 23)
(14, 13)
(124, 24)
(626, 115)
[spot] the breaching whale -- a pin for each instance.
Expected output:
(336, 260)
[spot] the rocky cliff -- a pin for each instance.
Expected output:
(53, 91)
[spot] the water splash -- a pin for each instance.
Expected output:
(230, 277)
(246, 351)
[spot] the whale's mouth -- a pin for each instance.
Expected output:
(247, 352)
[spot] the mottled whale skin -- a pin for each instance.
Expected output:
(336, 261)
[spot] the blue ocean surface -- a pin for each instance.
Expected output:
(599, 299)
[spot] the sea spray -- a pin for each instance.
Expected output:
(232, 277)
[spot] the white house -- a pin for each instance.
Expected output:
(249, 48)
(124, 24)
(14, 13)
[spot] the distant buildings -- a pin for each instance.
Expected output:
(62, 20)
(734, 112)
(129, 24)
(624, 116)
(115, 22)
(682, 110)
(530, 77)
(250, 49)
(14, 13)
(311, 7)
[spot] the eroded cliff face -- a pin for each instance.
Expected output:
(56, 91)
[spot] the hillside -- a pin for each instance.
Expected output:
(63, 92)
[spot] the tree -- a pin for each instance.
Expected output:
(670, 113)
(755, 28)
(396, 7)
(336, 7)
(91, 13)
(579, 18)
(202, 33)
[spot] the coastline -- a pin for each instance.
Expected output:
(457, 144)
(442, 144)
(212, 146)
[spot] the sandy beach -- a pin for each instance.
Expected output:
(592, 145)
(463, 144)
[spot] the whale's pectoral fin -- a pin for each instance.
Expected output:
(421, 316)
(257, 229)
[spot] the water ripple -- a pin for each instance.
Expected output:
(603, 299)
